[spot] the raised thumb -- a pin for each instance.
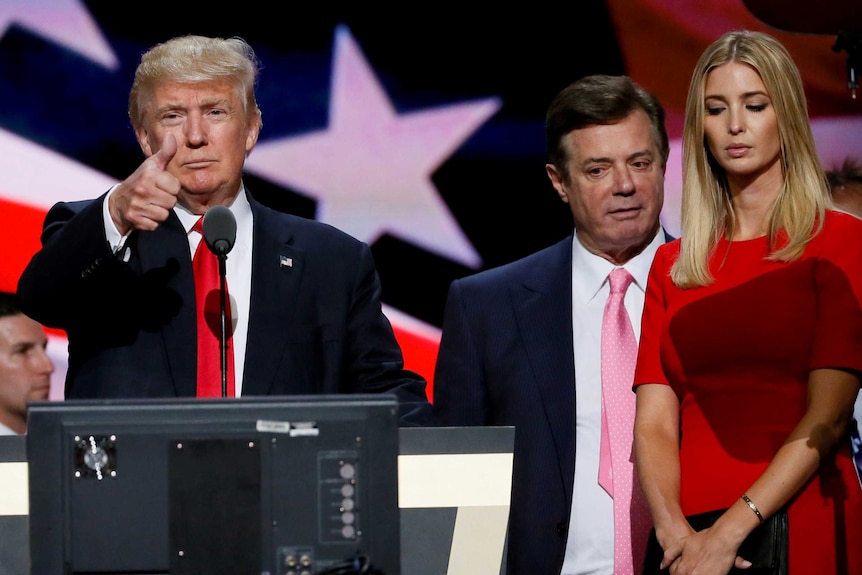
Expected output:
(166, 153)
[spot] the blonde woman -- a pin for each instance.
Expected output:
(751, 344)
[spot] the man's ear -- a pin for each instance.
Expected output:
(144, 141)
(253, 133)
(557, 181)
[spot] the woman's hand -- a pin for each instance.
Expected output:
(704, 552)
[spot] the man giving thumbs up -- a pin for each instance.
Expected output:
(116, 272)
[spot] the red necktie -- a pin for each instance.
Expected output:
(616, 469)
(208, 300)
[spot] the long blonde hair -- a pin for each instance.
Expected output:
(707, 213)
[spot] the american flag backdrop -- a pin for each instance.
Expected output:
(417, 128)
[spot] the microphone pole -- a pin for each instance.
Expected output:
(851, 42)
(219, 227)
(222, 288)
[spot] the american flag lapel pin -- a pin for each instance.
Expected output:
(285, 262)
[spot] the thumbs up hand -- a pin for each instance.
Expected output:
(145, 199)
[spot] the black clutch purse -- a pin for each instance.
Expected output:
(765, 547)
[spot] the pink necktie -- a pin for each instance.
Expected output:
(208, 299)
(616, 469)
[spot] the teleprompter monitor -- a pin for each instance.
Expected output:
(297, 485)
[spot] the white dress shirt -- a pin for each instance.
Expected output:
(590, 545)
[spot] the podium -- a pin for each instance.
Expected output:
(284, 485)
(453, 492)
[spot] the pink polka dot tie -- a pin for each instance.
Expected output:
(616, 469)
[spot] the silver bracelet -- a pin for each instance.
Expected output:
(753, 506)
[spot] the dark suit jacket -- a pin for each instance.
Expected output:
(315, 326)
(506, 358)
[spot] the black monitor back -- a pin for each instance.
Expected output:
(283, 486)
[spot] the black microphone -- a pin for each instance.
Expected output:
(219, 228)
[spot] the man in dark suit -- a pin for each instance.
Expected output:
(304, 313)
(521, 342)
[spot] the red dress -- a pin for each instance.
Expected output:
(738, 353)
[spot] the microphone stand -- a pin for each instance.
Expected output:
(851, 42)
(222, 273)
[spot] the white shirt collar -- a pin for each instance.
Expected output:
(240, 209)
(593, 270)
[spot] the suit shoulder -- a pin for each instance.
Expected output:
(559, 254)
(72, 207)
(305, 228)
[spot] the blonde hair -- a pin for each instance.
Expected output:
(707, 213)
(193, 59)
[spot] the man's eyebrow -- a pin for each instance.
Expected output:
(605, 160)
(24, 345)
(599, 160)
(641, 154)
(204, 103)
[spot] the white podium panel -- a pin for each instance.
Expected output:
(14, 519)
(454, 490)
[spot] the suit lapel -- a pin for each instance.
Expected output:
(275, 276)
(545, 322)
(168, 243)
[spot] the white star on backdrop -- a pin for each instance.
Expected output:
(370, 170)
(66, 22)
